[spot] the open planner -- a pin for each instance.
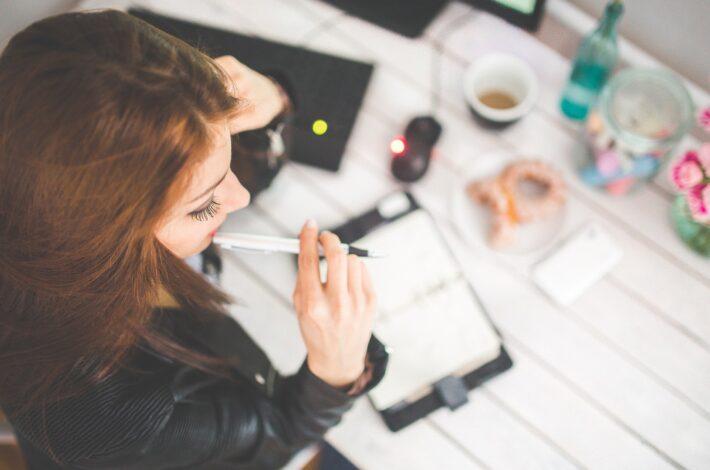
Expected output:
(440, 340)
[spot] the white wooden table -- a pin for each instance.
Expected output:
(621, 379)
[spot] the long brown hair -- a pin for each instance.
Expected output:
(102, 116)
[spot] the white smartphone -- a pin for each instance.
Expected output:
(582, 260)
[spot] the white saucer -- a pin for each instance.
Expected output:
(473, 220)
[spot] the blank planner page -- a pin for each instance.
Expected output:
(428, 315)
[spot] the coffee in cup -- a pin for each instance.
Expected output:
(500, 89)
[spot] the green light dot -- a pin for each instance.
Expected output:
(320, 127)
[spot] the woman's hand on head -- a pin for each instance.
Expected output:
(261, 99)
(336, 317)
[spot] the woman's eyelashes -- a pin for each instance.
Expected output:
(207, 212)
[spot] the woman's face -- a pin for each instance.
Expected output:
(213, 192)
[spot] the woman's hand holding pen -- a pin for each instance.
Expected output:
(335, 318)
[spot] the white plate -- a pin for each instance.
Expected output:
(473, 220)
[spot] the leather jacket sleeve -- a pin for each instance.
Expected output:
(219, 423)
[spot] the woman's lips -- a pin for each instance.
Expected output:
(212, 233)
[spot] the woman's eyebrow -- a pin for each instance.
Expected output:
(211, 187)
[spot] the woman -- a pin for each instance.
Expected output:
(114, 167)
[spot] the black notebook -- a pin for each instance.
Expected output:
(440, 340)
(325, 87)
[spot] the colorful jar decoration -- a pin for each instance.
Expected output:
(691, 210)
(639, 118)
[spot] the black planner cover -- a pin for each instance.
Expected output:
(325, 87)
(400, 415)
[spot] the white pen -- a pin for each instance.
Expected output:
(267, 244)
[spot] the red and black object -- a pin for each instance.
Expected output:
(412, 152)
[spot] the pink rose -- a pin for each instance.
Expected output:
(705, 193)
(704, 118)
(704, 157)
(698, 199)
(687, 173)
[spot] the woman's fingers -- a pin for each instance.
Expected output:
(355, 281)
(336, 327)
(337, 282)
(369, 290)
(308, 268)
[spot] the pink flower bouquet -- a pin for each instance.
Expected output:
(691, 175)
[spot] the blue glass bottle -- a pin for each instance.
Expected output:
(596, 58)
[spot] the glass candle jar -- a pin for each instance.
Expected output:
(639, 118)
(695, 234)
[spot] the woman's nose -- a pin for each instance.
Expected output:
(237, 195)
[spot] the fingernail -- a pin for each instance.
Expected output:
(310, 223)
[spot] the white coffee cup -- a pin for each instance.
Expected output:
(503, 73)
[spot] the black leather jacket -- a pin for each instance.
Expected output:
(155, 413)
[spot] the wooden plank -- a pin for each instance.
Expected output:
(271, 19)
(314, 9)
(682, 365)
(279, 201)
(509, 444)
(363, 439)
(215, 14)
(587, 432)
